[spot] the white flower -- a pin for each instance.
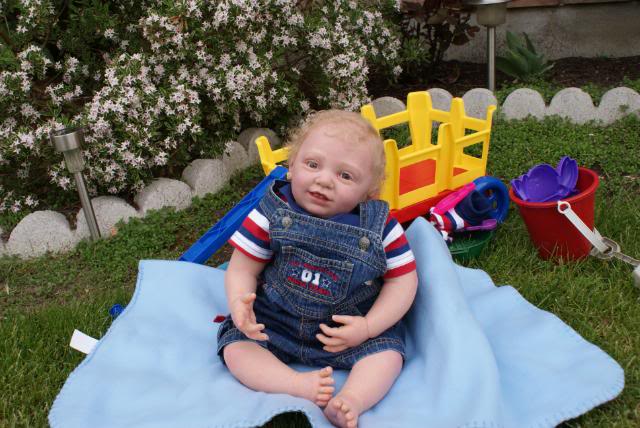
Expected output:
(64, 182)
(160, 159)
(30, 201)
(110, 34)
(261, 102)
(28, 111)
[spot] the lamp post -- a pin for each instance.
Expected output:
(490, 13)
(69, 142)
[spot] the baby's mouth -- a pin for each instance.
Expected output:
(319, 196)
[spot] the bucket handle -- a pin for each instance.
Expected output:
(597, 241)
(594, 236)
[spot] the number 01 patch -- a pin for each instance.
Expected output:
(313, 278)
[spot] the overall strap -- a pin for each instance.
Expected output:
(373, 215)
(270, 201)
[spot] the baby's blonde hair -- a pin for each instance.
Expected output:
(359, 131)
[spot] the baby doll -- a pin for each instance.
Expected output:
(321, 275)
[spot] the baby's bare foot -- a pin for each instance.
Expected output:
(343, 410)
(316, 386)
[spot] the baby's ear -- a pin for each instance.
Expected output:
(373, 193)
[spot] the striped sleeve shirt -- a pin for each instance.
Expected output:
(252, 238)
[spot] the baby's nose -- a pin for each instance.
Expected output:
(324, 179)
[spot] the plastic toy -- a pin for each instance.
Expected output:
(497, 194)
(421, 174)
(492, 206)
(543, 183)
(217, 235)
(551, 232)
(116, 310)
(479, 205)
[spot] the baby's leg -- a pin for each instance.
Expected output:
(257, 368)
(370, 379)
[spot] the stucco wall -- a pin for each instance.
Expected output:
(585, 30)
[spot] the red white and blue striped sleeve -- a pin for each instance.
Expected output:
(252, 238)
(400, 258)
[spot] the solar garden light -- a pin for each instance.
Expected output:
(490, 13)
(69, 141)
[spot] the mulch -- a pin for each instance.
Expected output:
(459, 77)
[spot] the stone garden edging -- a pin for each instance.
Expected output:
(49, 231)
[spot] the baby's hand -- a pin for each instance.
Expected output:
(354, 331)
(245, 319)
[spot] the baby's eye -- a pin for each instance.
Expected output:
(346, 176)
(312, 164)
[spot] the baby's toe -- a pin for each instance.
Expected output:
(326, 389)
(337, 404)
(327, 381)
(351, 418)
(323, 399)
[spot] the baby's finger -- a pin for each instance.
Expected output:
(331, 341)
(335, 348)
(254, 327)
(342, 319)
(330, 331)
(257, 336)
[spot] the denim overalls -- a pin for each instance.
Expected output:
(320, 268)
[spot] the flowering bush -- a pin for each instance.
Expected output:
(52, 58)
(174, 82)
(429, 28)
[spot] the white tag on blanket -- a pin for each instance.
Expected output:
(82, 342)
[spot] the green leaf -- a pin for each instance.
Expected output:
(519, 63)
(512, 41)
(534, 62)
(8, 60)
(529, 44)
(505, 66)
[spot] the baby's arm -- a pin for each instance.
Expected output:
(240, 282)
(393, 302)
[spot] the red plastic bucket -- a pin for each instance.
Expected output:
(551, 232)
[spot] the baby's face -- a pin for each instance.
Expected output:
(329, 176)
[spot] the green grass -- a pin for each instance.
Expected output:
(44, 299)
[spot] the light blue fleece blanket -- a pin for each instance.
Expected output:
(478, 356)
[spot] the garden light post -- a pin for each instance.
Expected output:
(490, 13)
(69, 141)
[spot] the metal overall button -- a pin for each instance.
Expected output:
(364, 243)
(287, 222)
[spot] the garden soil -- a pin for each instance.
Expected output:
(460, 77)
